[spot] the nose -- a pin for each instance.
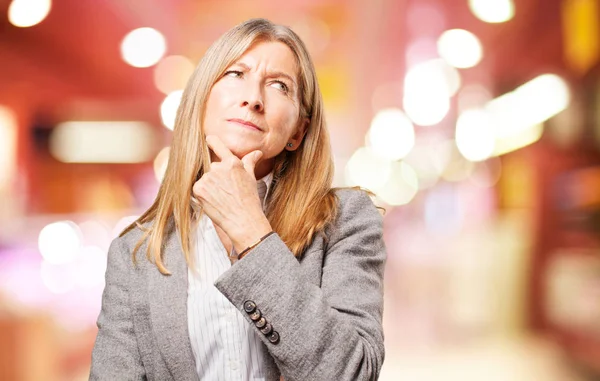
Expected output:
(253, 98)
(256, 105)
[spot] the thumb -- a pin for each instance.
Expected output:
(250, 161)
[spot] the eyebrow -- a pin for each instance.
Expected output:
(272, 74)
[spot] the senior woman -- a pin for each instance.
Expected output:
(246, 279)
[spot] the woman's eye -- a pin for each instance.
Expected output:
(233, 73)
(282, 86)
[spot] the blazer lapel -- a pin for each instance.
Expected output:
(168, 310)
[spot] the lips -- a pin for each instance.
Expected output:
(245, 123)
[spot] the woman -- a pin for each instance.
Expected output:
(303, 299)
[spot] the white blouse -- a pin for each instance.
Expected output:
(225, 345)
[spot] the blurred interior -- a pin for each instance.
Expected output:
(475, 122)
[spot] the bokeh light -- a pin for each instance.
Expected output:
(160, 163)
(391, 135)
(60, 242)
(143, 47)
(368, 170)
(518, 139)
(493, 11)
(475, 137)
(168, 108)
(8, 145)
(447, 74)
(427, 91)
(460, 48)
(26, 13)
(402, 185)
(102, 142)
(519, 114)
(539, 99)
(172, 73)
(428, 161)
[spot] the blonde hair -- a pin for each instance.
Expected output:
(301, 202)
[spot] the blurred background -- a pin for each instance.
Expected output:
(474, 121)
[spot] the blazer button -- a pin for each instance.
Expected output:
(267, 329)
(254, 316)
(274, 337)
(249, 306)
(261, 323)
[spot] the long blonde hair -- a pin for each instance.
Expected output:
(301, 202)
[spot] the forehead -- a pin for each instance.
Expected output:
(272, 56)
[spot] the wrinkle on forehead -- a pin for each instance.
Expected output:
(269, 62)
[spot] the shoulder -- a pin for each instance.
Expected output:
(130, 237)
(356, 214)
(358, 227)
(120, 253)
(355, 203)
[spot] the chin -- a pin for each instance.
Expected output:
(240, 149)
(240, 152)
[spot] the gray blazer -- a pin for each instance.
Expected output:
(327, 305)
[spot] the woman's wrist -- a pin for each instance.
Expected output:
(249, 234)
(252, 246)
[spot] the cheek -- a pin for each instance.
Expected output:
(218, 100)
(288, 122)
(214, 109)
(211, 105)
(209, 115)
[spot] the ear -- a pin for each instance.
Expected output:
(296, 139)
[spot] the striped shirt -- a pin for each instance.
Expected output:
(225, 346)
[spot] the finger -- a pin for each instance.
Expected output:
(218, 147)
(197, 189)
(250, 161)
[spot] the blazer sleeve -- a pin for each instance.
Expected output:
(331, 332)
(115, 355)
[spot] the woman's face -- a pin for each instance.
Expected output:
(255, 104)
